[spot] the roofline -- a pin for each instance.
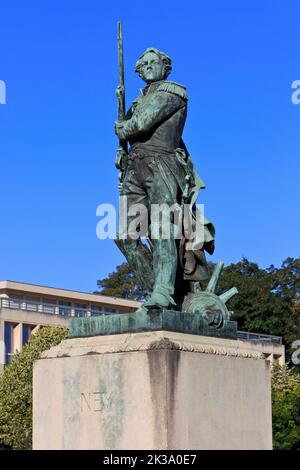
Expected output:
(43, 286)
(67, 293)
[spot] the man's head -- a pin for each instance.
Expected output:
(153, 65)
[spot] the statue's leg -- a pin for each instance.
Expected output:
(164, 267)
(133, 205)
(139, 257)
(162, 193)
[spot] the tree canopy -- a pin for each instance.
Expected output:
(121, 283)
(16, 389)
(285, 408)
(268, 300)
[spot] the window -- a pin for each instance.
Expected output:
(15, 301)
(8, 340)
(32, 303)
(27, 329)
(96, 310)
(109, 310)
(49, 305)
(65, 308)
(80, 310)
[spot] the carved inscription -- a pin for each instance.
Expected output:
(94, 401)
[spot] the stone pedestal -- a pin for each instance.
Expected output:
(151, 390)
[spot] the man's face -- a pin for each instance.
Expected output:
(152, 68)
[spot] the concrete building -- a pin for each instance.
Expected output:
(26, 307)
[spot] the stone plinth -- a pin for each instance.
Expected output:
(153, 390)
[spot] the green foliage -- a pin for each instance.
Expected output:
(287, 279)
(285, 408)
(16, 389)
(121, 283)
(268, 299)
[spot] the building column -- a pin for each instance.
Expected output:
(35, 330)
(17, 337)
(2, 346)
(281, 359)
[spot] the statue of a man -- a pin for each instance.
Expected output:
(159, 171)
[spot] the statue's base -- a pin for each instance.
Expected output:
(153, 390)
(154, 320)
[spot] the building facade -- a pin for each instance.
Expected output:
(24, 308)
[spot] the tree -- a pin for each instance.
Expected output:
(285, 408)
(287, 279)
(267, 301)
(121, 283)
(16, 389)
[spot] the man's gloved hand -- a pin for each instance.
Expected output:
(120, 161)
(119, 129)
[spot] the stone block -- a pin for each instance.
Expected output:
(157, 390)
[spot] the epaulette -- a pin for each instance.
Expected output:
(175, 88)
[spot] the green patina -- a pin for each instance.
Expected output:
(157, 171)
(154, 320)
(111, 384)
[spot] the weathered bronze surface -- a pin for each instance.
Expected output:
(158, 170)
(152, 320)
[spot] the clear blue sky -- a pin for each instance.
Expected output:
(237, 59)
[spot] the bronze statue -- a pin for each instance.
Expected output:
(158, 170)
